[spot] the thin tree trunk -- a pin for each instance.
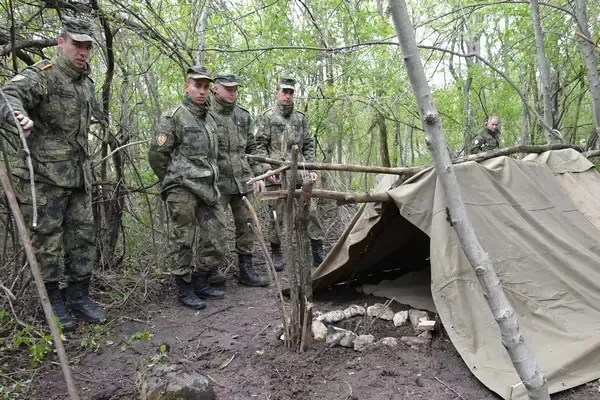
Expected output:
(544, 69)
(407, 135)
(524, 112)
(383, 141)
(503, 312)
(587, 48)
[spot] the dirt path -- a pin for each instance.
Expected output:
(238, 330)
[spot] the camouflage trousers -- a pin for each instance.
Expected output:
(244, 236)
(189, 216)
(314, 228)
(65, 227)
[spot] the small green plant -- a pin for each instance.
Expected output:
(38, 344)
(144, 335)
(94, 336)
(13, 390)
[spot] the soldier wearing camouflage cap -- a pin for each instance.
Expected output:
(53, 101)
(489, 138)
(235, 141)
(183, 154)
(278, 129)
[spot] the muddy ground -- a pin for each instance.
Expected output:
(238, 330)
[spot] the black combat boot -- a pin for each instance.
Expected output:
(187, 295)
(317, 252)
(78, 300)
(277, 257)
(203, 288)
(217, 278)
(58, 307)
(247, 275)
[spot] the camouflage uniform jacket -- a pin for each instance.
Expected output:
(485, 141)
(59, 99)
(184, 152)
(235, 141)
(276, 133)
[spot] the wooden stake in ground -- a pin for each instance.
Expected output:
(39, 282)
(270, 267)
(304, 290)
(513, 341)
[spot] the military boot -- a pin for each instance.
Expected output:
(217, 278)
(187, 295)
(203, 288)
(247, 275)
(58, 307)
(78, 300)
(317, 252)
(277, 257)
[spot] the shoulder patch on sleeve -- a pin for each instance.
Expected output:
(43, 65)
(161, 138)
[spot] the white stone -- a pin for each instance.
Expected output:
(400, 318)
(353, 311)
(379, 310)
(415, 317)
(348, 340)
(362, 342)
(319, 330)
(335, 335)
(390, 342)
(333, 316)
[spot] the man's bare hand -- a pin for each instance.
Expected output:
(25, 122)
(273, 178)
(259, 187)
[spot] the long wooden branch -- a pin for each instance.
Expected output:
(340, 197)
(268, 174)
(36, 272)
(341, 167)
(28, 154)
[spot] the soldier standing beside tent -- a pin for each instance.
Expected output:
(278, 129)
(53, 102)
(235, 141)
(488, 138)
(183, 154)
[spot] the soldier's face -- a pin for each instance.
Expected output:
(284, 96)
(197, 89)
(226, 93)
(493, 124)
(77, 52)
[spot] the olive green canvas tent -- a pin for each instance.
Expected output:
(539, 220)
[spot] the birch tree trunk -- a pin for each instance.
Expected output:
(587, 47)
(201, 30)
(544, 71)
(504, 315)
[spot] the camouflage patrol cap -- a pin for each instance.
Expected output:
(79, 30)
(286, 82)
(199, 72)
(226, 79)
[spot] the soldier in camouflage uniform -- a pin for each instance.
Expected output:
(278, 129)
(53, 102)
(235, 141)
(183, 154)
(489, 138)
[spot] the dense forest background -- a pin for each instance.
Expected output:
(481, 58)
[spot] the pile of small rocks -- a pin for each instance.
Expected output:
(324, 330)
